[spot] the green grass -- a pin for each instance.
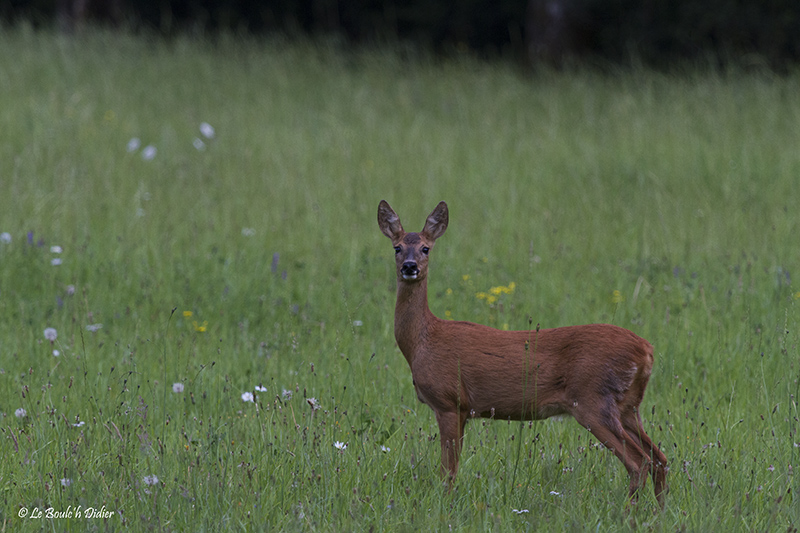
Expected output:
(678, 191)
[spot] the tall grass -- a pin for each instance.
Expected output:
(256, 261)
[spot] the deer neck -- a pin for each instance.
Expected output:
(412, 317)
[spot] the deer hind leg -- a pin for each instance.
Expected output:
(605, 425)
(632, 423)
(451, 432)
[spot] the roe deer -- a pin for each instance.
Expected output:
(595, 373)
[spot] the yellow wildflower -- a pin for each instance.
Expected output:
(187, 314)
(617, 297)
(198, 327)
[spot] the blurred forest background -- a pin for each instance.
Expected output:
(659, 33)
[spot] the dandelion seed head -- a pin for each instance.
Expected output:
(56, 353)
(50, 334)
(134, 144)
(177, 387)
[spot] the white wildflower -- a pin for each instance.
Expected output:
(248, 232)
(149, 152)
(79, 424)
(151, 480)
(385, 449)
(198, 144)
(286, 395)
(340, 445)
(56, 353)
(520, 511)
(358, 323)
(66, 482)
(207, 130)
(177, 387)
(50, 334)
(134, 144)
(313, 403)
(259, 388)
(248, 397)
(55, 261)
(94, 327)
(5, 237)
(70, 290)
(56, 249)
(20, 413)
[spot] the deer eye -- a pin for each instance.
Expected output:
(396, 250)
(425, 250)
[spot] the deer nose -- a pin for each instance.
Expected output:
(409, 270)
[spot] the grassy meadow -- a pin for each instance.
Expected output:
(224, 356)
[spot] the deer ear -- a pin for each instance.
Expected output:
(437, 222)
(389, 222)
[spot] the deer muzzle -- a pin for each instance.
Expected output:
(409, 270)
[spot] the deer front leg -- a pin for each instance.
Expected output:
(451, 432)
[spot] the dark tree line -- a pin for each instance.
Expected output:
(552, 31)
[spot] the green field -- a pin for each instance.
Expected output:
(664, 203)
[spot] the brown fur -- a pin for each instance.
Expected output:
(596, 373)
